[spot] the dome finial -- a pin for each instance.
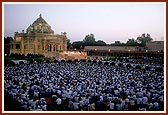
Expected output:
(40, 15)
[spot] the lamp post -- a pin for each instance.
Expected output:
(158, 53)
(109, 52)
(146, 53)
(95, 51)
(129, 52)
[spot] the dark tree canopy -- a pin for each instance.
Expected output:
(7, 40)
(7, 44)
(131, 42)
(143, 39)
(100, 43)
(68, 44)
(89, 40)
(117, 43)
(77, 44)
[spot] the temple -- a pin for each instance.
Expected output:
(39, 38)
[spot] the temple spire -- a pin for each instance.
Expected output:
(40, 15)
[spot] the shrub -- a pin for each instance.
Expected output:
(6, 61)
(39, 60)
(31, 61)
(11, 63)
(48, 61)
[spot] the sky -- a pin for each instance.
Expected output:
(109, 22)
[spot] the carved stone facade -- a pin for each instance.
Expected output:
(39, 38)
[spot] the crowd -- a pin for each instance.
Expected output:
(84, 86)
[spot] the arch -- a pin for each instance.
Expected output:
(54, 47)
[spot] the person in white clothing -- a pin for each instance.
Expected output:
(81, 104)
(111, 106)
(76, 106)
(58, 101)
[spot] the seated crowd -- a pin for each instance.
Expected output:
(84, 86)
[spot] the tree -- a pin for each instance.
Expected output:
(89, 40)
(143, 39)
(77, 44)
(68, 44)
(100, 43)
(7, 40)
(7, 44)
(131, 42)
(117, 43)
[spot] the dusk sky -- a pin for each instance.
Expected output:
(107, 21)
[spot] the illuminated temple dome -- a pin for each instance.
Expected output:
(39, 38)
(40, 26)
